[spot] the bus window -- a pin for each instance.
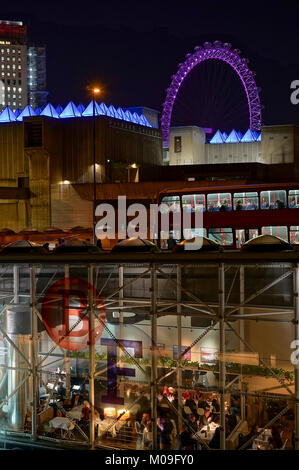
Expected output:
(168, 239)
(194, 232)
(281, 232)
(273, 199)
(294, 198)
(194, 202)
(219, 202)
(173, 202)
(242, 236)
(224, 236)
(246, 201)
(294, 234)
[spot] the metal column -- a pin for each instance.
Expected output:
(179, 327)
(66, 358)
(222, 373)
(154, 355)
(34, 350)
(241, 310)
(91, 326)
(241, 343)
(296, 365)
(121, 322)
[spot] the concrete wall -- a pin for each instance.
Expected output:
(234, 153)
(192, 145)
(278, 144)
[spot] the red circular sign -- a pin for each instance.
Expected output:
(65, 313)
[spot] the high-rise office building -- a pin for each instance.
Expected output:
(13, 64)
(22, 68)
(36, 76)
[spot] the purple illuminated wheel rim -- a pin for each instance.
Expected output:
(217, 51)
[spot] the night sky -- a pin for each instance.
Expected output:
(133, 47)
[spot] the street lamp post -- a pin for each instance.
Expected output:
(95, 91)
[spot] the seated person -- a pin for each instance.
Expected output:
(265, 205)
(193, 422)
(185, 440)
(215, 442)
(280, 204)
(206, 418)
(251, 206)
(292, 203)
(239, 206)
(275, 440)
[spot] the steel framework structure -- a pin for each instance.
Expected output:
(154, 271)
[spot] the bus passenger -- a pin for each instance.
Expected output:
(280, 204)
(239, 206)
(292, 203)
(265, 205)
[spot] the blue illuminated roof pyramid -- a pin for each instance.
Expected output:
(70, 110)
(232, 138)
(217, 138)
(49, 111)
(113, 111)
(121, 113)
(248, 136)
(7, 115)
(89, 110)
(38, 111)
(128, 116)
(104, 109)
(27, 111)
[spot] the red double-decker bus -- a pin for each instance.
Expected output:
(234, 214)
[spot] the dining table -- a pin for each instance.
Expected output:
(64, 424)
